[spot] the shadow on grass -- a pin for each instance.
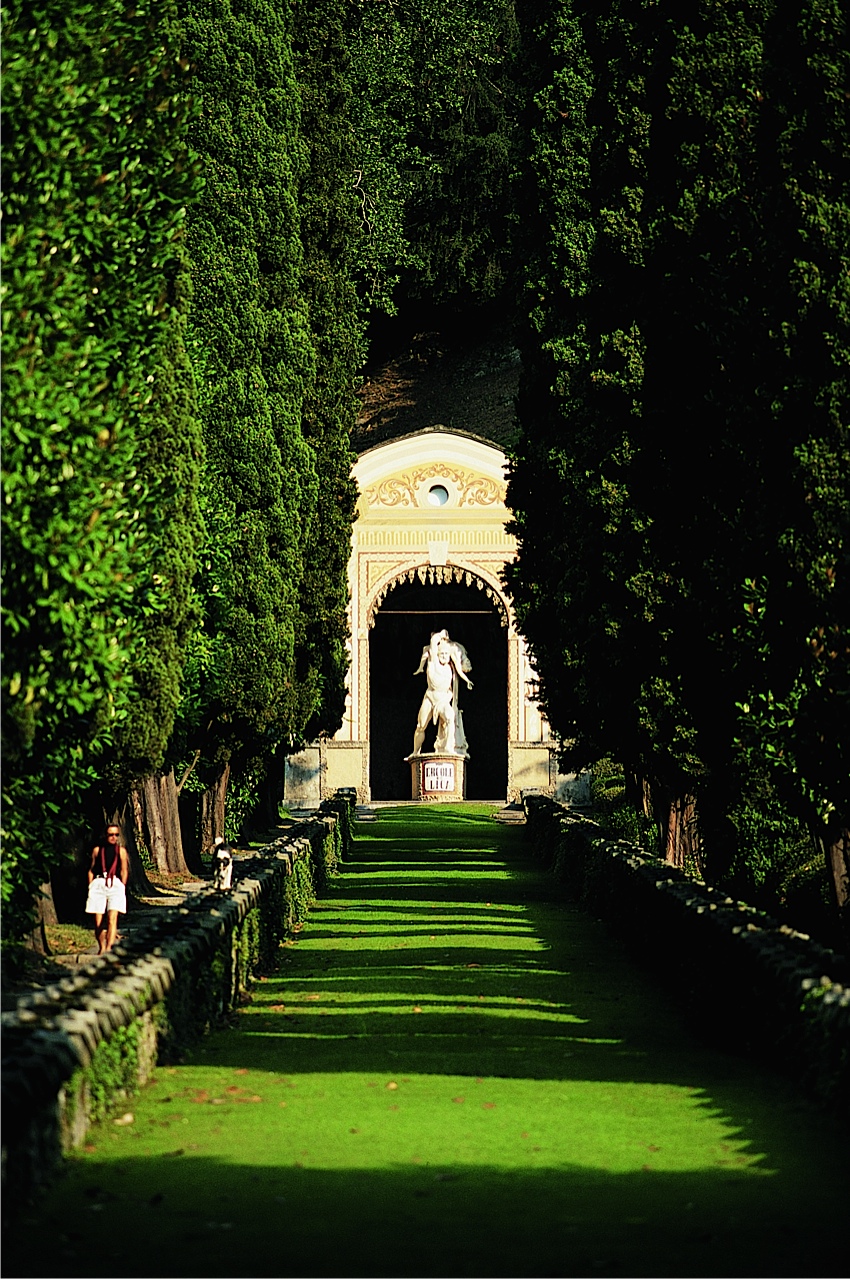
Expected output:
(199, 1217)
(469, 964)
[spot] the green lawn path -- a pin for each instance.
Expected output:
(453, 1073)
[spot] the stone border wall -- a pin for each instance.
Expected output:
(74, 1049)
(756, 985)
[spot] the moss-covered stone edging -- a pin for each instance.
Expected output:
(76, 1048)
(758, 985)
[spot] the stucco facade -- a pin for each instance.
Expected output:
(431, 510)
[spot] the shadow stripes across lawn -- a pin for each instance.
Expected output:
(454, 1072)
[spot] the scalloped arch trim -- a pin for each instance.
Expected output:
(436, 575)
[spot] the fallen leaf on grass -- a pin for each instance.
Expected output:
(459, 1100)
(488, 1105)
(277, 1008)
(417, 1009)
(200, 1096)
(392, 1085)
(125, 1120)
(241, 1071)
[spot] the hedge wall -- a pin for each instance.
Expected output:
(753, 984)
(71, 1051)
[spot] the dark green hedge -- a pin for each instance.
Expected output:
(73, 1051)
(252, 349)
(101, 446)
(682, 486)
(750, 983)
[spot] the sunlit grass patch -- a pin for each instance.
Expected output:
(454, 1074)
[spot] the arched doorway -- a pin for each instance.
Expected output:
(403, 624)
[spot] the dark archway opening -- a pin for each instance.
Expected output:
(403, 626)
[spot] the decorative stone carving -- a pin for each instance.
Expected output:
(438, 573)
(445, 663)
(404, 490)
(438, 778)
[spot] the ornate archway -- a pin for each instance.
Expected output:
(416, 606)
(439, 575)
(431, 515)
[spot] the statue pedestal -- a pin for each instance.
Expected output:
(439, 778)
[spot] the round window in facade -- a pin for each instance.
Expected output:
(438, 495)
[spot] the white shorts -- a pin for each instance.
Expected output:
(102, 898)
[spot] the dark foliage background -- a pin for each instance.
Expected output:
(206, 204)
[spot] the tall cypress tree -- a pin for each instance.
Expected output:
(584, 581)
(254, 359)
(98, 414)
(684, 405)
(435, 112)
(329, 231)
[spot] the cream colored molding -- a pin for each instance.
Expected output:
(411, 488)
(418, 455)
(439, 574)
(402, 536)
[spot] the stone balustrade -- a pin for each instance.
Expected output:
(74, 1048)
(750, 982)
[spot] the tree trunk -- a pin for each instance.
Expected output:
(837, 849)
(212, 809)
(682, 835)
(269, 794)
(159, 822)
(189, 808)
(36, 938)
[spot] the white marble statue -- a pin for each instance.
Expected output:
(444, 662)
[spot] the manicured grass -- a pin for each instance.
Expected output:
(453, 1073)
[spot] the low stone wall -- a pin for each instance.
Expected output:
(756, 985)
(74, 1049)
